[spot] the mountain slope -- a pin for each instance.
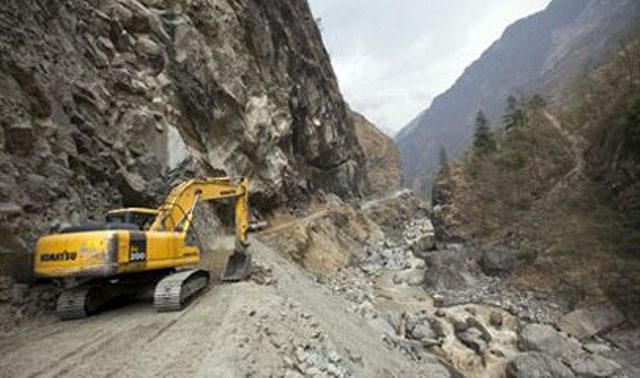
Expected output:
(384, 168)
(539, 54)
(561, 188)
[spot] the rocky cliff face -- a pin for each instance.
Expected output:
(101, 100)
(383, 167)
(539, 54)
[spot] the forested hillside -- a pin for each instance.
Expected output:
(559, 184)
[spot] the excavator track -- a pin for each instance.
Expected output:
(78, 302)
(175, 290)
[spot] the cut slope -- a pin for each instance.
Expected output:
(102, 98)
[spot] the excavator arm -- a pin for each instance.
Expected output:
(176, 213)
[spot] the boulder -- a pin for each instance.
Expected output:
(397, 260)
(498, 261)
(586, 322)
(132, 187)
(473, 322)
(438, 328)
(592, 366)
(419, 235)
(289, 373)
(473, 338)
(450, 270)
(146, 46)
(597, 348)
(382, 325)
(472, 334)
(496, 319)
(537, 365)
(420, 329)
(545, 339)
(372, 263)
(414, 277)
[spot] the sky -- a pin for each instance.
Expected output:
(392, 57)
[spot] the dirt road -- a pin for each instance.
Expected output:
(232, 330)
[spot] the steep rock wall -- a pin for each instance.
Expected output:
(103, 102)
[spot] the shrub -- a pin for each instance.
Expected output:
(514, 160)
(633, 124)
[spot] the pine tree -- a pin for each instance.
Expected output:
(633, 124)
(537, 102)
(483, 139)
(444, 163)
(514, 114)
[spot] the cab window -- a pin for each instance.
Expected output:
(141, 220)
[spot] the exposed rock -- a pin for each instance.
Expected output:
(384, 170)
(382, 325)
(545, 339)
(19, 293)
(596, 348)
(396, 259)
(328, 240)
(472, 334)
(537, 365)
(495, 319)
(420, 329)
(147, 46)
(10, 208)
(472, 337)
(242, 88)
(473, 322)
(414, 277)
(373, 263)
(500, 261)
(393, 211)
(587, 322)
(20, 137)
(450, 270)
(262, 274)
(419, 235)
(9, 243)
(592, 366)
(292, 374)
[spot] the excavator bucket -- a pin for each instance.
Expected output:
(238, 267)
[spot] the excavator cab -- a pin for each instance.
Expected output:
(141, 217)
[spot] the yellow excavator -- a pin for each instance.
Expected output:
(140, 246)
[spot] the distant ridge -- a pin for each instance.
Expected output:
(538, 54)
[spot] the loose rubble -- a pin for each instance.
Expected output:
(308, 352)
(472, 311)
